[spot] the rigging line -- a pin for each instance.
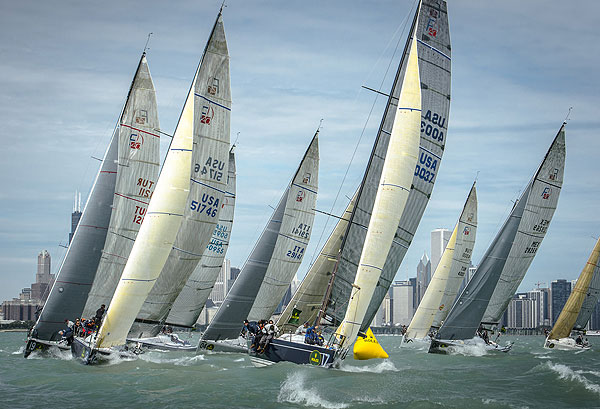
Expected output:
(399, 40)
(568, 114)
(147, 41)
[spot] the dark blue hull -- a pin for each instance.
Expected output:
(299, 353)
(82, 351)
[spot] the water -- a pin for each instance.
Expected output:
(526, 377)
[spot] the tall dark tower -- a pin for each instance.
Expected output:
(76, 215)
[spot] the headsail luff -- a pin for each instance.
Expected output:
(137, 173)
(190, 302)
(212, 93)
(539, 209)
(449, 273)
(71, 289)
(590, 302)
(307, 300)
(466, 313)
(228, 320)
(568, 316)
(294, 234)
(391, 197)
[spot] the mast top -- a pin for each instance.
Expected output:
(567, 117)
(221, 9)
(147, 41)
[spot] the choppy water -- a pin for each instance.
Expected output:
(528, 376)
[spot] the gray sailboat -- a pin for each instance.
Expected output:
(123, 183)
(210, 161)
(279, 250)
(464, 319)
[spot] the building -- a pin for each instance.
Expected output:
(439, 240)
(423, 277)
(470, 273)
(402, 302)
(43, 279)
(75, 216)
(529, 310)
(560, 291)
(223, 283)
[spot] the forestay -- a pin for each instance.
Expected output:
(212, 108)
(430, 28)
(540, 207)
(137, 172)
(192, 299)
(449, 274)
(570, 312)
(274, 242)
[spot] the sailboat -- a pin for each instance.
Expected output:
(166, 211)
(335, 293)
(570, 317)
(113, 213)
(210, 161)
(511, 250)
(192, 299)
(274, 260)
(449, 274)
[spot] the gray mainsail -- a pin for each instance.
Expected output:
(139, 156)
(540, 207)
(192, 299)
(590, 301)
(464, 317)
(227, 323)
(430, 26)
(212, 111)
(71, 289)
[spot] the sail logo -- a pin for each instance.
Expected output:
(467, 230)
(546, 193)
(431, 28)
(141, 117)
(207, 114)
(306, 178)
(213, 86)
(300, 196)
(136, 141)
(552, 176)
(441, 307)
(470, 217)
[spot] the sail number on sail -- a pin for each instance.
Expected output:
(209, 205)
(214, 168)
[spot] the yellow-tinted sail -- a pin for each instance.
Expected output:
(368, 347)
(566, 320)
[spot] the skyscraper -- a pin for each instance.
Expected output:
(402, 295)
(560, 290)
(43, 278)
(76, 215)
(439, 240)
(423, 277)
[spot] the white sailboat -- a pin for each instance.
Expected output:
(559, 337)
(449, 274)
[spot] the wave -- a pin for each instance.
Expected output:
(564, 372)
(180, 361)
(384, 366)
(294, 390)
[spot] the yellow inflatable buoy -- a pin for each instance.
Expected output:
(368, 347)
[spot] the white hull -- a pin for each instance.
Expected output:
(565, 344)
(164, 343)
(239, 345)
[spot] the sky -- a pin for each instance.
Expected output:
(517, 68)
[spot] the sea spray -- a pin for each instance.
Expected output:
(566, 373)
(384, 366)
(294, 390)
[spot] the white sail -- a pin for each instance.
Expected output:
(157, 234)
(137, 173)
(448, 275)
(295, 232)
(190, 302)
(392, 194)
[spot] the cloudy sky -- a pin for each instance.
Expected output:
(517, 67)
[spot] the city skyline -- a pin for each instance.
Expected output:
(514, 78)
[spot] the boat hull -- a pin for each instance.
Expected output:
(162, 343)
(86, 354)
(227, 345)
(448, 347)
(565, 344)
(43, 346)
(299, 353)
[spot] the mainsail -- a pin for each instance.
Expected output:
(392, 194)
(212, 111)
(430, 29)
(137, 172)
(190, 302)
(449, 274)
(133, 140)
(281, 245)
(590, 302)
(568, 316)
(540, 207)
